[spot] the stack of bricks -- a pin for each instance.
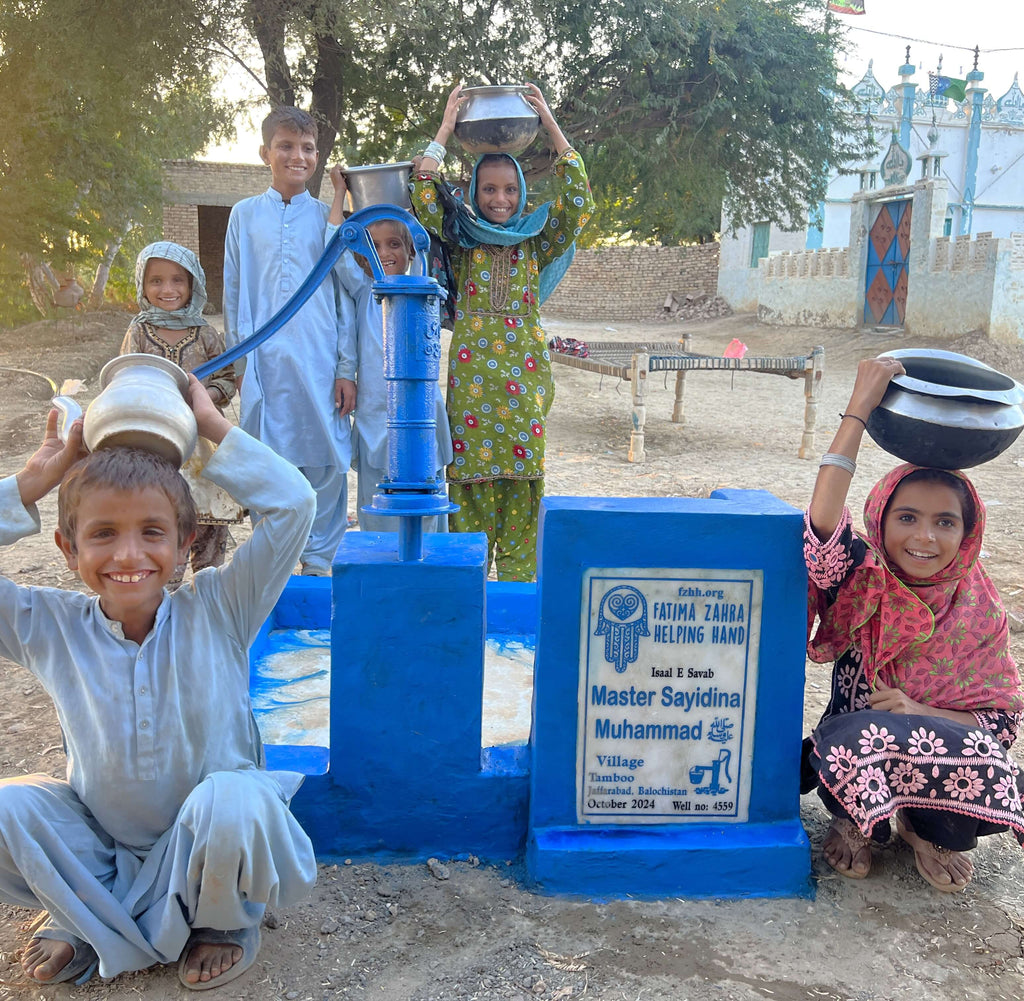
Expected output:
(633, 283)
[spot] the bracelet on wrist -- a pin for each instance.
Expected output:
(842, 461)
(435, 151)
(856, 418)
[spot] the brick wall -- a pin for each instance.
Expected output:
(632, 283)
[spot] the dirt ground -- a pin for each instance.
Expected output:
(468, 930)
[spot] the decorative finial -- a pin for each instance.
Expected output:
(938, 71)
(977, 53)
(908, 54)
(933, 133)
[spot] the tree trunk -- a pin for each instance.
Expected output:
(99, 285)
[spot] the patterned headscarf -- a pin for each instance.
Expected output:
(191, 314)
(943, 640)
(471, 229)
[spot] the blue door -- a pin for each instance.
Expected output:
(885, 295)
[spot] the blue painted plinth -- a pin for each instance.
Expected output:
(575, 846)
(408, 778)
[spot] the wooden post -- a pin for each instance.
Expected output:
(638, 381)
(812, 393)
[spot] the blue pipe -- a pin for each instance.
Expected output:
(332, 251)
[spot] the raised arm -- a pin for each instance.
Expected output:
(833, 482)
(431, 160)
(536, 101)
(46, 468)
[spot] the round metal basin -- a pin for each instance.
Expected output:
(379, 184)
(948, 411)
(496, 119)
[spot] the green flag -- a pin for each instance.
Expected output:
(947, 86)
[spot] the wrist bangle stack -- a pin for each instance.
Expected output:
(842, 461)
(436, 152)
(856, 418)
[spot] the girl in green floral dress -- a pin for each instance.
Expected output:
(500, 388)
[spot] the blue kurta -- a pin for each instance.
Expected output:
(165, 780)
(287, 398)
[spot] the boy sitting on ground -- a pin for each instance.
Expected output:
(169, 838)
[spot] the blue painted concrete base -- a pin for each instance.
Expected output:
(408, 777)
(742, 860)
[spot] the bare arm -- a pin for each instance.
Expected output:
(426, 163)
(337, 213)
(833, 482)
(536, 101)
(51, 461)
(894, 700)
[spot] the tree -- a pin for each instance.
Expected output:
(92, 102)
(677, 104)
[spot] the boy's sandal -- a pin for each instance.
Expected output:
(79, 968)
(928, 849)
(854, 839)
(247, 939)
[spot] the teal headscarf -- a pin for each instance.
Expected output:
(191, 314)
(471, 229)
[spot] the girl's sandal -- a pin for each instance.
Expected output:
(855, 840)
(928, 850)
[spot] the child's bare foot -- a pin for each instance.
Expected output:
(207, 961)
(847, 850)
(44, 958)
(946, 870)
(214, 957)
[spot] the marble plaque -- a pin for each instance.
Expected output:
(668, 683)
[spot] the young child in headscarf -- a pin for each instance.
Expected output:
(500, 387)
(171, 289)
(926, 699)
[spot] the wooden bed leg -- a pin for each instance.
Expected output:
(638, 381)
(678, 417)
(812, 393)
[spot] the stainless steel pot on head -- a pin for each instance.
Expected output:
(496, 119)
(379, 184)
(949, 410)
(142, 405)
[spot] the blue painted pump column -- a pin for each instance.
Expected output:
(412, 364)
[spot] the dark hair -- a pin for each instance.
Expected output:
(495, 159)
(124, 469)
(946, 479)
(286, 117)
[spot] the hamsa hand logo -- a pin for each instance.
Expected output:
(622, 620)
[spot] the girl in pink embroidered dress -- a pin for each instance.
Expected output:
(926, 700)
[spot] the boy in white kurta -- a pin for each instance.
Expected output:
(168, 838)
(298, 387)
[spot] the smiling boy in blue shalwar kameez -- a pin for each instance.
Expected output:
(168, 838)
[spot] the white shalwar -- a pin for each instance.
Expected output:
(369, 427)
(287, 397)
(167, 820)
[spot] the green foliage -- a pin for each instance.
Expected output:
(676, 105)
(93, 98)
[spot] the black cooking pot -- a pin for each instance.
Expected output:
(948, 411)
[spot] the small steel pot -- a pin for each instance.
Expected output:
(949, 411)
(379, 184)
(142, 404)
(496, 119)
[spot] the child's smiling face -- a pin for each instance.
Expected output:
(923, 528)
(126, 547)
(393, 245)
(497, 191)
(166, 285)
(291, 157)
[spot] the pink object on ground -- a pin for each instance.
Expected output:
(736, 349)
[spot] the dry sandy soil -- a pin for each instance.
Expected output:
(401, 933)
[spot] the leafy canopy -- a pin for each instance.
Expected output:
(676, 104)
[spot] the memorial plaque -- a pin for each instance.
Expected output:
(667, 695)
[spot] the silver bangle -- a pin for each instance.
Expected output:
(842, 461)
(435, 151)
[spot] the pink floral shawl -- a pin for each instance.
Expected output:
(943, 641)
